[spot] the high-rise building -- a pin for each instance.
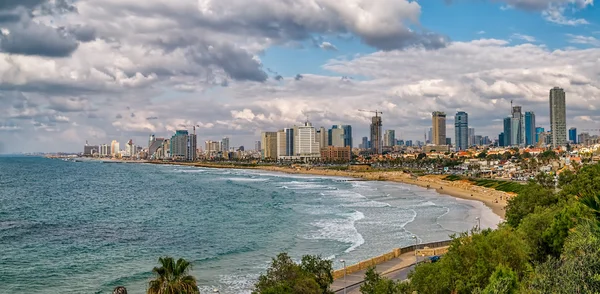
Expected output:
(558, 117)
(212, 147)
(179, 145)
(538, 131)
(501, 140)
(408, 143)
(517, 127)
(573, 135)
(225, 144)
(323, 137)
(90, 149)
(376, 125)
(507, 131)
(269, 145)
(461, 131)
(438, 128)
(429, 139)
(347, 136)
(583, 138)
(389, 138)
(289, 141)
(114, 148)
(281, 144)
(471, 137)
(530, 128)
(306, 143)
(130, 149)
(336, 136)
(192, 145)
(365, 143)
(257, 146)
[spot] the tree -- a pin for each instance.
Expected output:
(375, 284)
(532, 196)
(320, 268)
(285, 276)
(172, 277)
(502, 281)
(545, 180)
(470, 262)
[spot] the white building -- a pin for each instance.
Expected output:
(306, 143)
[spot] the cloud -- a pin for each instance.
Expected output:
(328, 46)
(523, 37)
(36, 39)
(552, 10)
(585, 40)
(481, 32)
(298, 77)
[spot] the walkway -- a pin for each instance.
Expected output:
(396, 269)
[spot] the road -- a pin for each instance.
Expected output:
(398, 275)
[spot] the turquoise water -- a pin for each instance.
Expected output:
(68, 227)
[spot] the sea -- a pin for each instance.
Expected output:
(87, 227)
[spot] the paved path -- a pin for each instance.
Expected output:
(396, 269)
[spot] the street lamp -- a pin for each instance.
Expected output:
(416, 245)
(344, 263)
(478, 219)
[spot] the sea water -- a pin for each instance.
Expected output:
(86, 227)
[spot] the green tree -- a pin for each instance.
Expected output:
(502, 281)
(172, 277)
(470, 262)
(530, 197)
(286, 277)
(320, 268)
(376, 284)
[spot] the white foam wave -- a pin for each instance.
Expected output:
(367, 204)
(426, 203)
(341, 230)
(246, 179)
(296, 185)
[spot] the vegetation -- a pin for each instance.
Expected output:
(172, 277)
(311, 276)
(550, 243)
(506, 186)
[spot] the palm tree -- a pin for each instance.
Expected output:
(172, 277)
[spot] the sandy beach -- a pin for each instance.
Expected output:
(495, 200)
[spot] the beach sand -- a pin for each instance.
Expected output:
(495, 200)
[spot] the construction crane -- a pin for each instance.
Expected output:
(193, 127)
(372, 111)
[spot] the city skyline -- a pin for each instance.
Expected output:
(110, 70)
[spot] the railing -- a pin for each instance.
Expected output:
(391, 255)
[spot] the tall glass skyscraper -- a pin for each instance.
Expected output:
(461, 130)
(573, 135)
(507, 131)
(538, 132)
(347, 135)
(530, 128)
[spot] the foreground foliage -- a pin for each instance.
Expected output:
(550, 243)
(312, 276)
(172, 277)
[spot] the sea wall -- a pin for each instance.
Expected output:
(427, 249)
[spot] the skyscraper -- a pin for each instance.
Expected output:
(471, 137)
(306, 143)
(179, 145)
(225, 144)
(269, 145)
(573, 135)
(461, 131)
(376, 134)
(538, 131)
(389, 138)
(558, 117)
(281, 144)
(530, 128)
(336, 136)
(517, 127)
(438, 128)
(347, 135)
(501, 140)
(192, 142)
(323, 137)
(365, 143)
(289, 141)
(507, 131)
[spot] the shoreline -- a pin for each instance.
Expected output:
(493, 199)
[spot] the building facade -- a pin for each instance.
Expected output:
(179, 145)
(538, 131)
(558, 117)
(336, 137)
(507, 131)
(573, 135)
(269, 145)
(376, 124)
(462, 131)
(530, 128)
(389, 138)
(336, 154)
(306, 143)
(348, 136)
(225, 144)
(438, 128)
(517, 135)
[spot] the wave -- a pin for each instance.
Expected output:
(341, 230)
(245, 179)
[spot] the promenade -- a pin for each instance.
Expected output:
(401, 264)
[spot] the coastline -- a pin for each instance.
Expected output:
(495, 200)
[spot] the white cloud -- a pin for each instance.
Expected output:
(585, 40)
(523, 37)
(328, 46)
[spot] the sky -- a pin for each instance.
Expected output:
(73, 71)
